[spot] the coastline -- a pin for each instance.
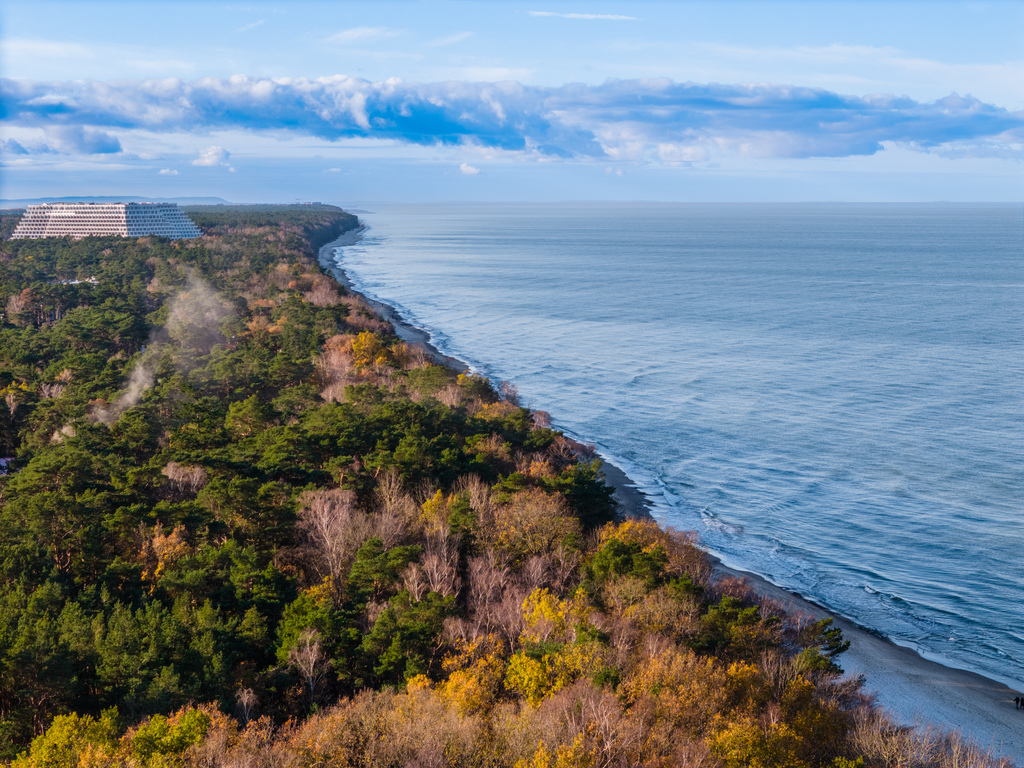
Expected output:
(406, 332)
(627, 494)
(912, 689)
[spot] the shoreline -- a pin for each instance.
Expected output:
(405, 331)
(627, 494)
(914, 690)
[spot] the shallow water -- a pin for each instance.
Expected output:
(831, 395)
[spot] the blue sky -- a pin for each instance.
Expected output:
(424, 101)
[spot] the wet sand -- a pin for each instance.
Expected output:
(913, 689)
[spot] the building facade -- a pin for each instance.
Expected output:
(86, 219)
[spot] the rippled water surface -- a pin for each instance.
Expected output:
(831, 395)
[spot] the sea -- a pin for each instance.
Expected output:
(830, 395)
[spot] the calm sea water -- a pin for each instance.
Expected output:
(831, 395)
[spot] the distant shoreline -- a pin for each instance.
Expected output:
(910, 687)
(631, 500)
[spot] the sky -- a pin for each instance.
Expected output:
(403, 101)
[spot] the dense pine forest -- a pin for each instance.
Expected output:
(243, 524)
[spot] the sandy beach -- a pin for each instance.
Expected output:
(914, 690)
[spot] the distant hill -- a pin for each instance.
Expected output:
(4, 203)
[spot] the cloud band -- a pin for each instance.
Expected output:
(659, 118)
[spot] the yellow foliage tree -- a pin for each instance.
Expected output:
(681, 689)
(475, 688)
(529, 677)
(476, 669)
(532, 522)
(418, 683)
(162, 551)
(368, 349)
(748, 743)
(73, 741)
(547, 617)
(497, 411)
(325, 594)
(659, 611)
(747, 686)
(160, 741)
(684, 556)
(642, 531)
(537, 679)
(435, 510)
(573, 755)
(821, 725)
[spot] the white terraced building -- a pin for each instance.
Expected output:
(124, 219)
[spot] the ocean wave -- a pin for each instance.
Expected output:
(818, 449)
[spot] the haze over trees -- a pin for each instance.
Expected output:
(246, 525)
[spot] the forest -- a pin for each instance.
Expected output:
(243, 524)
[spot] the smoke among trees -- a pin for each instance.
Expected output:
(195, 314)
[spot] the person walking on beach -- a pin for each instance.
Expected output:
(1016, 702)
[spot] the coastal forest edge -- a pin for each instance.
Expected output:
(243, 523)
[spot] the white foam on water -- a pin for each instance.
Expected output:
(797, 384)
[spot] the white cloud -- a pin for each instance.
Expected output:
(23, 49)
(13, 147)
(255, 24)
(87, 60)
(75, 140)
(652, 120)
(587, 16)
(468, 170)
(849, 69)
(212, 156)
(363, 35)
(450, 40)
(167, 172)
(670, 153)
